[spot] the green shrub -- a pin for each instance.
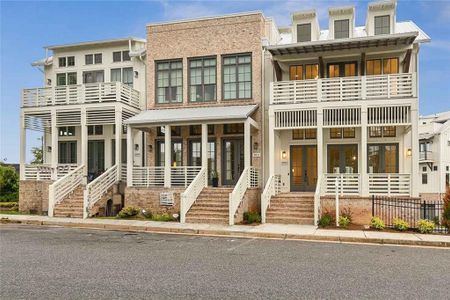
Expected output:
(344, 221)
(129, 211)
(377, 223)
(9, 184)
(10, 205)
(164, 217)
(425, 226)
(347, 212)
(11, 197)
(400, 225)
(252, 217)
(325, 220)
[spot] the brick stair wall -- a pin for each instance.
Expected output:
(211, 206)
(291, 208)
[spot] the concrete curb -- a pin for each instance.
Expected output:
(226, 233)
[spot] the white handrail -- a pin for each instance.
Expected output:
(272, 188)
(249, 178)
(98, 187)
(45, 171)
(194, 189)
(317, 195)
(63, 186)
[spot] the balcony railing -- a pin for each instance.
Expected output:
(80, 94)
(425, 155)
(344, 89)
(45, 171)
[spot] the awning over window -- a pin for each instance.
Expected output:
(192, 115)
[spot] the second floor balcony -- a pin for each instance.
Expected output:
(373, 87)
(426, 156)
(81, 94)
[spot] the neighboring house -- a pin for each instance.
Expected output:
(88, 90)
(434, 155)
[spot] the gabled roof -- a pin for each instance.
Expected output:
(192, 115)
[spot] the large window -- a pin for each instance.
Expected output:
(296, 72)
(303, 32)
(169, 81)
(382, 66)
(124, 75)
(382, 25)
(342, 69)
(299, 72)
(341, 29)
(237, 77)
(66, 78)
(93, 76)
(202, 79)
(68, 61)
(67, 152)
(121, 56)
(342, 159)
(90, 59)
(176, 155)
(382, 158)
(195, 155)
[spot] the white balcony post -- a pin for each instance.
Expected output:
(130, 156)
(363, 144)
(54, 154)
(271, 143)
(23, 146)
(118, 121)
(205, 148)
(414, 181)
(167, 155)
(319, 143)
(363, 88)
(84, 139)
(247, 146)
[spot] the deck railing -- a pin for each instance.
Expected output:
(183, 175)
(272, 188)
(45, 171)
(194, 189)
(81, 93)
(425, 155)
(346, 184)
(148, 176)
(249, 178)
(372, 87)
(389, 184)
(98, 187)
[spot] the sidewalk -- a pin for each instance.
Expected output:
(274, 231)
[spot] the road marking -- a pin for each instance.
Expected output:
(241, 244)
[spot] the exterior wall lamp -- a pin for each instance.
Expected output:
(409, 152)
(283, 154)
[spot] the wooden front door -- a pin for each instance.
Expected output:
(303, 168)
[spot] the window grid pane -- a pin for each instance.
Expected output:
(169, 82)
(237, 77)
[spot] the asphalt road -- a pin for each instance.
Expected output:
(62, 263)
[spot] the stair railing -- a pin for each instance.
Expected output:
(272, 188)
(249, 178)
(98, 187)
(194, 189)
(59, 189)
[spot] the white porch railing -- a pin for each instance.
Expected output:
(389, 184)
(148, 176)
(401, 85)
(45, 171)
(249, 178)
(272, 188)
(425, 155)
(123, 172)
(58, 190)
(347, 184)
(81, 93)
(98, 187)
(183, 175)
(194, 189)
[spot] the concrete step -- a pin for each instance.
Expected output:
(289, 214)
(209, 214)
(285, 220)
(291, 209)
(291, 205)
(208, 220)
(198, 208)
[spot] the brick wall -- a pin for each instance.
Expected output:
(361, 208)
(33, 196)
(148, 198)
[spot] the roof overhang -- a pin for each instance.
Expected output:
(192, 115)
(344, 44)
(107, 42)
(43, 62)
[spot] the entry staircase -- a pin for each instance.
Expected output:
(69, 196)
(291, 208)
(211, 206)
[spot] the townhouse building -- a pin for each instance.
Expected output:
(434, 155)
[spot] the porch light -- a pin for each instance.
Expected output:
(136, 147)
(150, 148)
(283, 154)
(409, 152)
(136, 74)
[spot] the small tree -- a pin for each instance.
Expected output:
(9, 183)
(446, 216)
(37, 155)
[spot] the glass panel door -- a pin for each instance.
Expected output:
(232, 160)
(343, 158)
(303, 168)
(96, 158)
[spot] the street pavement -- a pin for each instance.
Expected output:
(40, 262)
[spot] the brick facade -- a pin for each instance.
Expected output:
(33, 196)
(148, 198)
(361, 208)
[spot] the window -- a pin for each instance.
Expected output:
(124, 129)
(98, 58)
(62, 62)
(342, 158)
(304, 134)
(127, 77)
(390, 66)
(341, 29)
(197, 129)
(300, 72)
(123, 152)
(296, 72)
(174, 131)
(67, 152)
(382, 25)
(373, 67)
(66, 78)
(304, 32)
(424, 169)
(341, 69)
(93, 76)
(126, 55)
(237, 77)
(382, 158)
(385, 131)
(312, 71)
(119, 56)
(389, 131)
(61, 79)
(202, 79)
(385, 66)
(68, 61)
(71, 61)
(66, 131)
(424, 178)
(176, 157)
(235, 128)
(95, 130)
(435, 168)
(116, 75)
(90, 59)
(339, 133)
(169, 81)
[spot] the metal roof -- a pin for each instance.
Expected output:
(344, 44)
(192, 115)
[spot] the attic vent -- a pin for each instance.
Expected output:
(166, 199)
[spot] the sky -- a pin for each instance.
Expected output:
(26, 27)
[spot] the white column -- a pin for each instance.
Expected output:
(130, 155)
(118, 158)
(247, 144)
(205, 146)
(363, 159)
(167, 155)
(54, 154)
(271, 143)
(84, 139)
(23, 146)
(414, 151)
(319, 143)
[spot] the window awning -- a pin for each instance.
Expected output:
(192, 115)
(344, 44)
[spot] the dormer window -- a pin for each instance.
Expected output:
(304, 32)
(382, 25)
(341, 29)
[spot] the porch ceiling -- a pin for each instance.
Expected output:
(192, 115)
(344, 44)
